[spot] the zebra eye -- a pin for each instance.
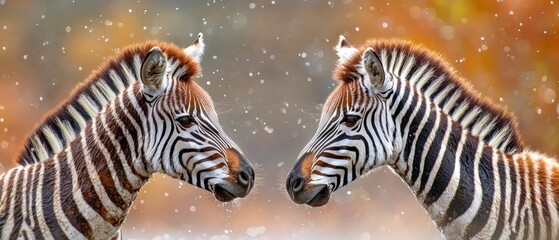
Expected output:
(350, 120)
(186, 121)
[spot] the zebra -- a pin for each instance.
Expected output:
(141, 113)
(401, 105)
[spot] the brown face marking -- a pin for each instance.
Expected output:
(307, 163)
(233, 160)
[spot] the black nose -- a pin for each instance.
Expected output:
(245, 176)
(295, 182)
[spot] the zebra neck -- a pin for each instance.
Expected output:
(449, 170)
(102, 167)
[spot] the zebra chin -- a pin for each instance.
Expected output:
(226, 192)
(312, 195)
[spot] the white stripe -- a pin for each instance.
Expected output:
(63, 221)
(439, 158)
(39, 205)
(95, 181)
(9, 223)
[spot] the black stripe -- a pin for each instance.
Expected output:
(433, 152)
(503, 184)
(444, 175)
(412, 133)
(466, 186)
(487, 177)
(405, 95)
(421, 139)
(48, 201)
(18, 218)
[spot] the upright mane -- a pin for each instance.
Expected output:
(61, 125)
(438, 82)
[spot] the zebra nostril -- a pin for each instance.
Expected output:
(243, 178)
(297, 184)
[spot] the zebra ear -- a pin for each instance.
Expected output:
(196, 49)
(344, 49)
(373, 67)
(153, 70)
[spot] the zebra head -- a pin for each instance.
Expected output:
(184, 138)
(356, 131)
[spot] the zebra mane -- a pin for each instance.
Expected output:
(439, 82)
(61, 125)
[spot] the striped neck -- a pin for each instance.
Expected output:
(105, 169)
(441, 161)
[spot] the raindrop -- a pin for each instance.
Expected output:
(68, 29)
(252, 5)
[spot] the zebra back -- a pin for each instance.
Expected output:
(62, 124)
(437, 81)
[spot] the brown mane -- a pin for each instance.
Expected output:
(390, 50)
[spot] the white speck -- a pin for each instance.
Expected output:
(511, 12)
(250, 74)
(273, 2)
(166, 194)
(539, 111)
(384, 25)
(304, 55)
(80, 68)
(357, 29)
(268, 129)
(3, 48)
(255, 231)
(280, 164)
(193, 208)
(41, 99)
(252, 5)
(208, 83)
(25, 56)
(214, 57)
(129, 10)
(68, 29)
(348, 192)
(108, 23)
(4, 144)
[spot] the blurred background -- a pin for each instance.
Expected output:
(268, 67)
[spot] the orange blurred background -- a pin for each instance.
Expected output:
(268, 67)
